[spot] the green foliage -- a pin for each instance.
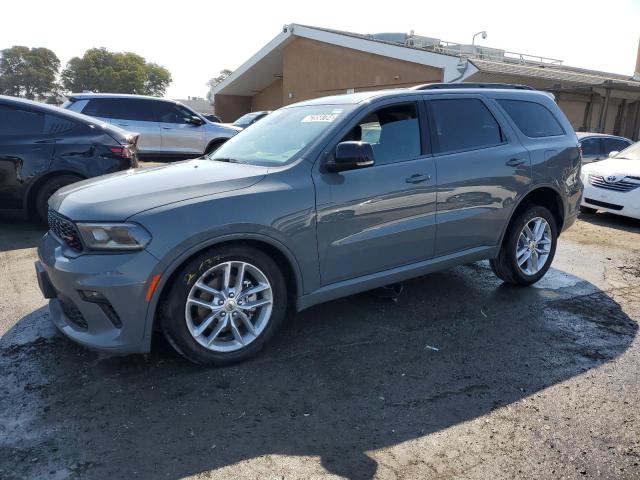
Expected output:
(100, 70)
(28, 72)
(216, 80)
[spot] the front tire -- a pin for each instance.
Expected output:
(224, 305)
(528, 248)
(47, 189)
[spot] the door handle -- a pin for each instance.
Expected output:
(418, 178)
(123, 124)
(167, 128)
(514, 162)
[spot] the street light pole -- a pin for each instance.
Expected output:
(473, 40)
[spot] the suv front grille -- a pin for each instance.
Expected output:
(65, 230)
(620, 186)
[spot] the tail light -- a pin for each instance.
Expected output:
(123, 151)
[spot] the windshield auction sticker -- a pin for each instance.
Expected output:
(327, 118)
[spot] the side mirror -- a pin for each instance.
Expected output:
(613, 154)
(350, 156)
(194, 120)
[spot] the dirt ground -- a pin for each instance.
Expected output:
(462, 378)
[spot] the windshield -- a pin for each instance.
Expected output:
(245, 120)
(630, 153)
(280, 136)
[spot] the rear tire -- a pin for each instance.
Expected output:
(47, 189)
(506, 265)
(204, 292)
(587, 210)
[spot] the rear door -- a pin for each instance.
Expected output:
(133, 114)
(482, 169)
(376, 218)
(179, 135)
(25, 151)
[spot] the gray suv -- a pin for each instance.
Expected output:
(168, 130)
(298, 210)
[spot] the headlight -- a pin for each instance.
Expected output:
(113, 236)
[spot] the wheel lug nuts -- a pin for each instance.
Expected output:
(231, 295)
(220, 302)
(223, 314)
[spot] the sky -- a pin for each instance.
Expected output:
(195, 39)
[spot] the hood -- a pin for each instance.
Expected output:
(120, 195)
(614, 166)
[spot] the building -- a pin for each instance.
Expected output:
(305, 62)
(199, 104)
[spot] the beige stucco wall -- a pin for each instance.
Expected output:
(574, 109)
(231, 107)
(314, 69)
(268, 99)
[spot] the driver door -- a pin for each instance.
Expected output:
(179, 135)
(380, 217)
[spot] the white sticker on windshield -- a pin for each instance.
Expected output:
(320, 118)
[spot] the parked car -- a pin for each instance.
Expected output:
(613, 185)
(249, 119)
(212, 118)
(44, 148)
(598, 146)
(168, 130)
(297, 210)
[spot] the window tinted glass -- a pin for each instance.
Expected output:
(393, 132)
(169, 113)
(97, 107)
(55, 125)
(613, 145)
(16, 121)
(464, 124)
(533, 119)
(132, 109)
(590, 147)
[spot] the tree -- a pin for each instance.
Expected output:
(215, 81)
(28, 72)
(100, 70)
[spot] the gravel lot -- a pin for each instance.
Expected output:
(462, 378)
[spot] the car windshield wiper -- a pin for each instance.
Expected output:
(225, 159)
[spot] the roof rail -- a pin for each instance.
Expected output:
(447, 86)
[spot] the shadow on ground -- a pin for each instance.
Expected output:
(609, 220)
(17, 234)
(341, 379)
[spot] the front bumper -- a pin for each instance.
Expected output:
(619, 203)
(122, 279)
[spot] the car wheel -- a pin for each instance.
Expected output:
(587, 210)
(224, 305)
(47, 189)
(528, 248)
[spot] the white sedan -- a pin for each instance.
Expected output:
(613, 185)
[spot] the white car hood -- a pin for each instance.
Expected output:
(614, 166)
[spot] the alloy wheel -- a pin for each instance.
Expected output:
(534, 246)
(229, 306)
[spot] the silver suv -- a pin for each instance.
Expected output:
(318, 200)
(168, 130)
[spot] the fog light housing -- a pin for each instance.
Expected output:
(92, 296)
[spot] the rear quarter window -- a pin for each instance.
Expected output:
(464, 124)
(532, 119)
